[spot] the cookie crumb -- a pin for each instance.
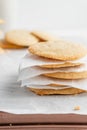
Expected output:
(77, 108)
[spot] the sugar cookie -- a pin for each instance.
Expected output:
(67, 75)
(66, 91)
(59, 50)
(6, 45)
(43, 36)
(66, 64)
(20, 37)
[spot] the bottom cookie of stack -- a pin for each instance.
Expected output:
(65, 91)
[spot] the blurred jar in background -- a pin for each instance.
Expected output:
(8, 12)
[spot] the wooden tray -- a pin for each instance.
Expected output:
(42, 121)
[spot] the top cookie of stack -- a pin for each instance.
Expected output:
(59, 50)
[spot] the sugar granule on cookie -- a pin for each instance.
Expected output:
(59, 50)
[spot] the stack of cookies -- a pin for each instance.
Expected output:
(55, 67)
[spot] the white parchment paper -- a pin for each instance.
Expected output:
(31, 75)
(41, 80)
(32, 60)
(29, 72)
(19, 100)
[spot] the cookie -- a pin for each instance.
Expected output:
(43, 36)
(6, 45)
(66, 91)
(20, 37)
(56, 85)
(59, 50)
(55, 66)
(67, 75)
